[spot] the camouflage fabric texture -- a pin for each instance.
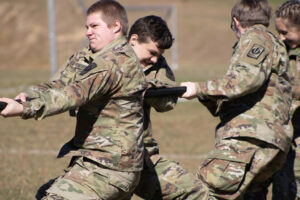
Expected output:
(162, 178)
(286, 183)
(106, 88)
(252, 100)
(86, 180)
(158, 75)
(110, 116)
(240, 168)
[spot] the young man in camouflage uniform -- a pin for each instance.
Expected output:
(107, 148)
(161, 178)
(286, 183)
(252, 100)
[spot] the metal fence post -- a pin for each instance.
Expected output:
(52, 36)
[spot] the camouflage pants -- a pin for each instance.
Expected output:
(86, 180)
(286, 183)
(165, 179)
(240, 168)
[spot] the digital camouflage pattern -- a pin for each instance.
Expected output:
(252, 101)
(254, 97)
(107, 92)
(286, 183)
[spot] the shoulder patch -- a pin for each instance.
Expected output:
(88, 68)
(255, 51)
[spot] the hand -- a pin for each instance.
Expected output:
(297, 141)
(12, 109)
(191, 90)
(22, 96)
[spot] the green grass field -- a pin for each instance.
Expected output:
(28, 148)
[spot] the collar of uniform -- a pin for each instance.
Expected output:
(235, 44)
(257, 27)
(88, 54)
(295, 52)
(147, 67)
(161, 61)
(113, 44)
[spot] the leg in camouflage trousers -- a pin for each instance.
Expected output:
(86, 180)
(236, 169)
(239, 167)
(162, 179)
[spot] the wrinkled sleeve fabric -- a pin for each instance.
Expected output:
(248, 71)
(63, 77)
(163, 77)
(99, 83)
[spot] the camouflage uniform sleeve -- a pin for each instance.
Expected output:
(98, 83)
(248, 71)
(163, 77)
(65, 76)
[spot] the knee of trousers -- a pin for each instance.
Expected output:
(86, 180)
(224, 171)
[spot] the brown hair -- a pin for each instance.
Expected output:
(111, 10)
(289, 10)
(251, 12)
(152, 27)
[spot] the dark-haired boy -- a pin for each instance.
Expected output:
(161, 178)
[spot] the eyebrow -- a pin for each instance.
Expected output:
(153, 52)
(282, 32)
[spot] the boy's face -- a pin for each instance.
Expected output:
(287, 33)
(147, 53)
(97, 31)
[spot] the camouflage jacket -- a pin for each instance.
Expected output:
(254, 96)
(158, 75)
(294, 68)
(107, 88)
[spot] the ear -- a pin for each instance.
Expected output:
(237, 22)
(133, 39)
(117, 26)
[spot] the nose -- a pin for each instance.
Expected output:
(88, 32)
(154, 59)
(282, 37)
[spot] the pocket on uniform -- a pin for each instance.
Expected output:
(125, 181)
(222, 175)
(224, 171)
(120, 183)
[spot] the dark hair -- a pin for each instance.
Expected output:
(152, 27)
(111, 10)
(251, 12)
(289, 10)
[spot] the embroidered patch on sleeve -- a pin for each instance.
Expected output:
(255, 51)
